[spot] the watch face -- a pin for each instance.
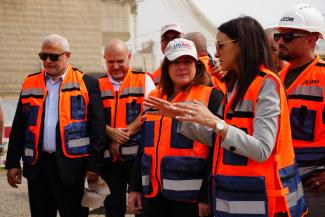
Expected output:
(220, 126)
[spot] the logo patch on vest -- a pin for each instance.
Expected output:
(310, 82)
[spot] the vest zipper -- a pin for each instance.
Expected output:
(116, 101)
(156, 173)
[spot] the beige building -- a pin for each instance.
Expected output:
(87, 24)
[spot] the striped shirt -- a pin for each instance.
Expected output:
(51, 112)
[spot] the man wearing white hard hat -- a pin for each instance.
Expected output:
(304, 78)
(168, 33)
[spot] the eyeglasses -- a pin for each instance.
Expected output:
(219, 45)
(53, 56)
(287, 36)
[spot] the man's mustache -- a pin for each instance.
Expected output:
(282, 46)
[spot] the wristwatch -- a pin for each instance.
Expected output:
(220, 125)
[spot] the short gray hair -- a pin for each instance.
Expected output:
(56, 38)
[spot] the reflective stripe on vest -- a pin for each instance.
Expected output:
(312, 93)
(70, 86)
(129, 150)
(182, 185)
(107, 154)
(245, 109)
(32, 92)
(240, 207)
(145, 180)
(29, 152)
(295, 196)
(73, 143)
(107, 94)
(132, 91)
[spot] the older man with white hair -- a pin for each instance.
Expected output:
(59, 132)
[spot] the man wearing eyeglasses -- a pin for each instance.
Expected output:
(168, 33)
(59, 132)
(304, 78)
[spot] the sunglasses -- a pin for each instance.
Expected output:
(219, 45)
(287, 36)
(53, 56)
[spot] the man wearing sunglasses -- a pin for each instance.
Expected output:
(59, 132)
(304, 78)
(168, 33)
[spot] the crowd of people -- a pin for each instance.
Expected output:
(240, 133)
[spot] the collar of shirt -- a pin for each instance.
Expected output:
(111, 79)
(47, 77)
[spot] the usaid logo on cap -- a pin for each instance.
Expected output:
(181, 45)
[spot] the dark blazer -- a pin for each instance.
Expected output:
(71, 170)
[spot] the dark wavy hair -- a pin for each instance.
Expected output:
(254, 52)
(167, 85)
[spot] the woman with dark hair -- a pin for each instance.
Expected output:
(174, 169)
(254, 171)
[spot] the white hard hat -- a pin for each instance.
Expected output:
(304, 17)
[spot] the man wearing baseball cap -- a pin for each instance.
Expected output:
(304, 78)
(168, 33)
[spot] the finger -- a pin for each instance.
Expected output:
(311, 181)
(12, 182)
(139, 203)
(188, 106)
(187, 118)
(152, 104)
(159, 101)
(198, 102)
(131, 203)
(116, 149)
(18, 179)
(206, 212)
(173, 111)
(321, 188)
(122, 131)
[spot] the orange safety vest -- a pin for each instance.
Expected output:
(123, 107)
(207, 62)
(171, 163)
(244, 187)
(307, 114)
(156, 76)
(73, 103)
